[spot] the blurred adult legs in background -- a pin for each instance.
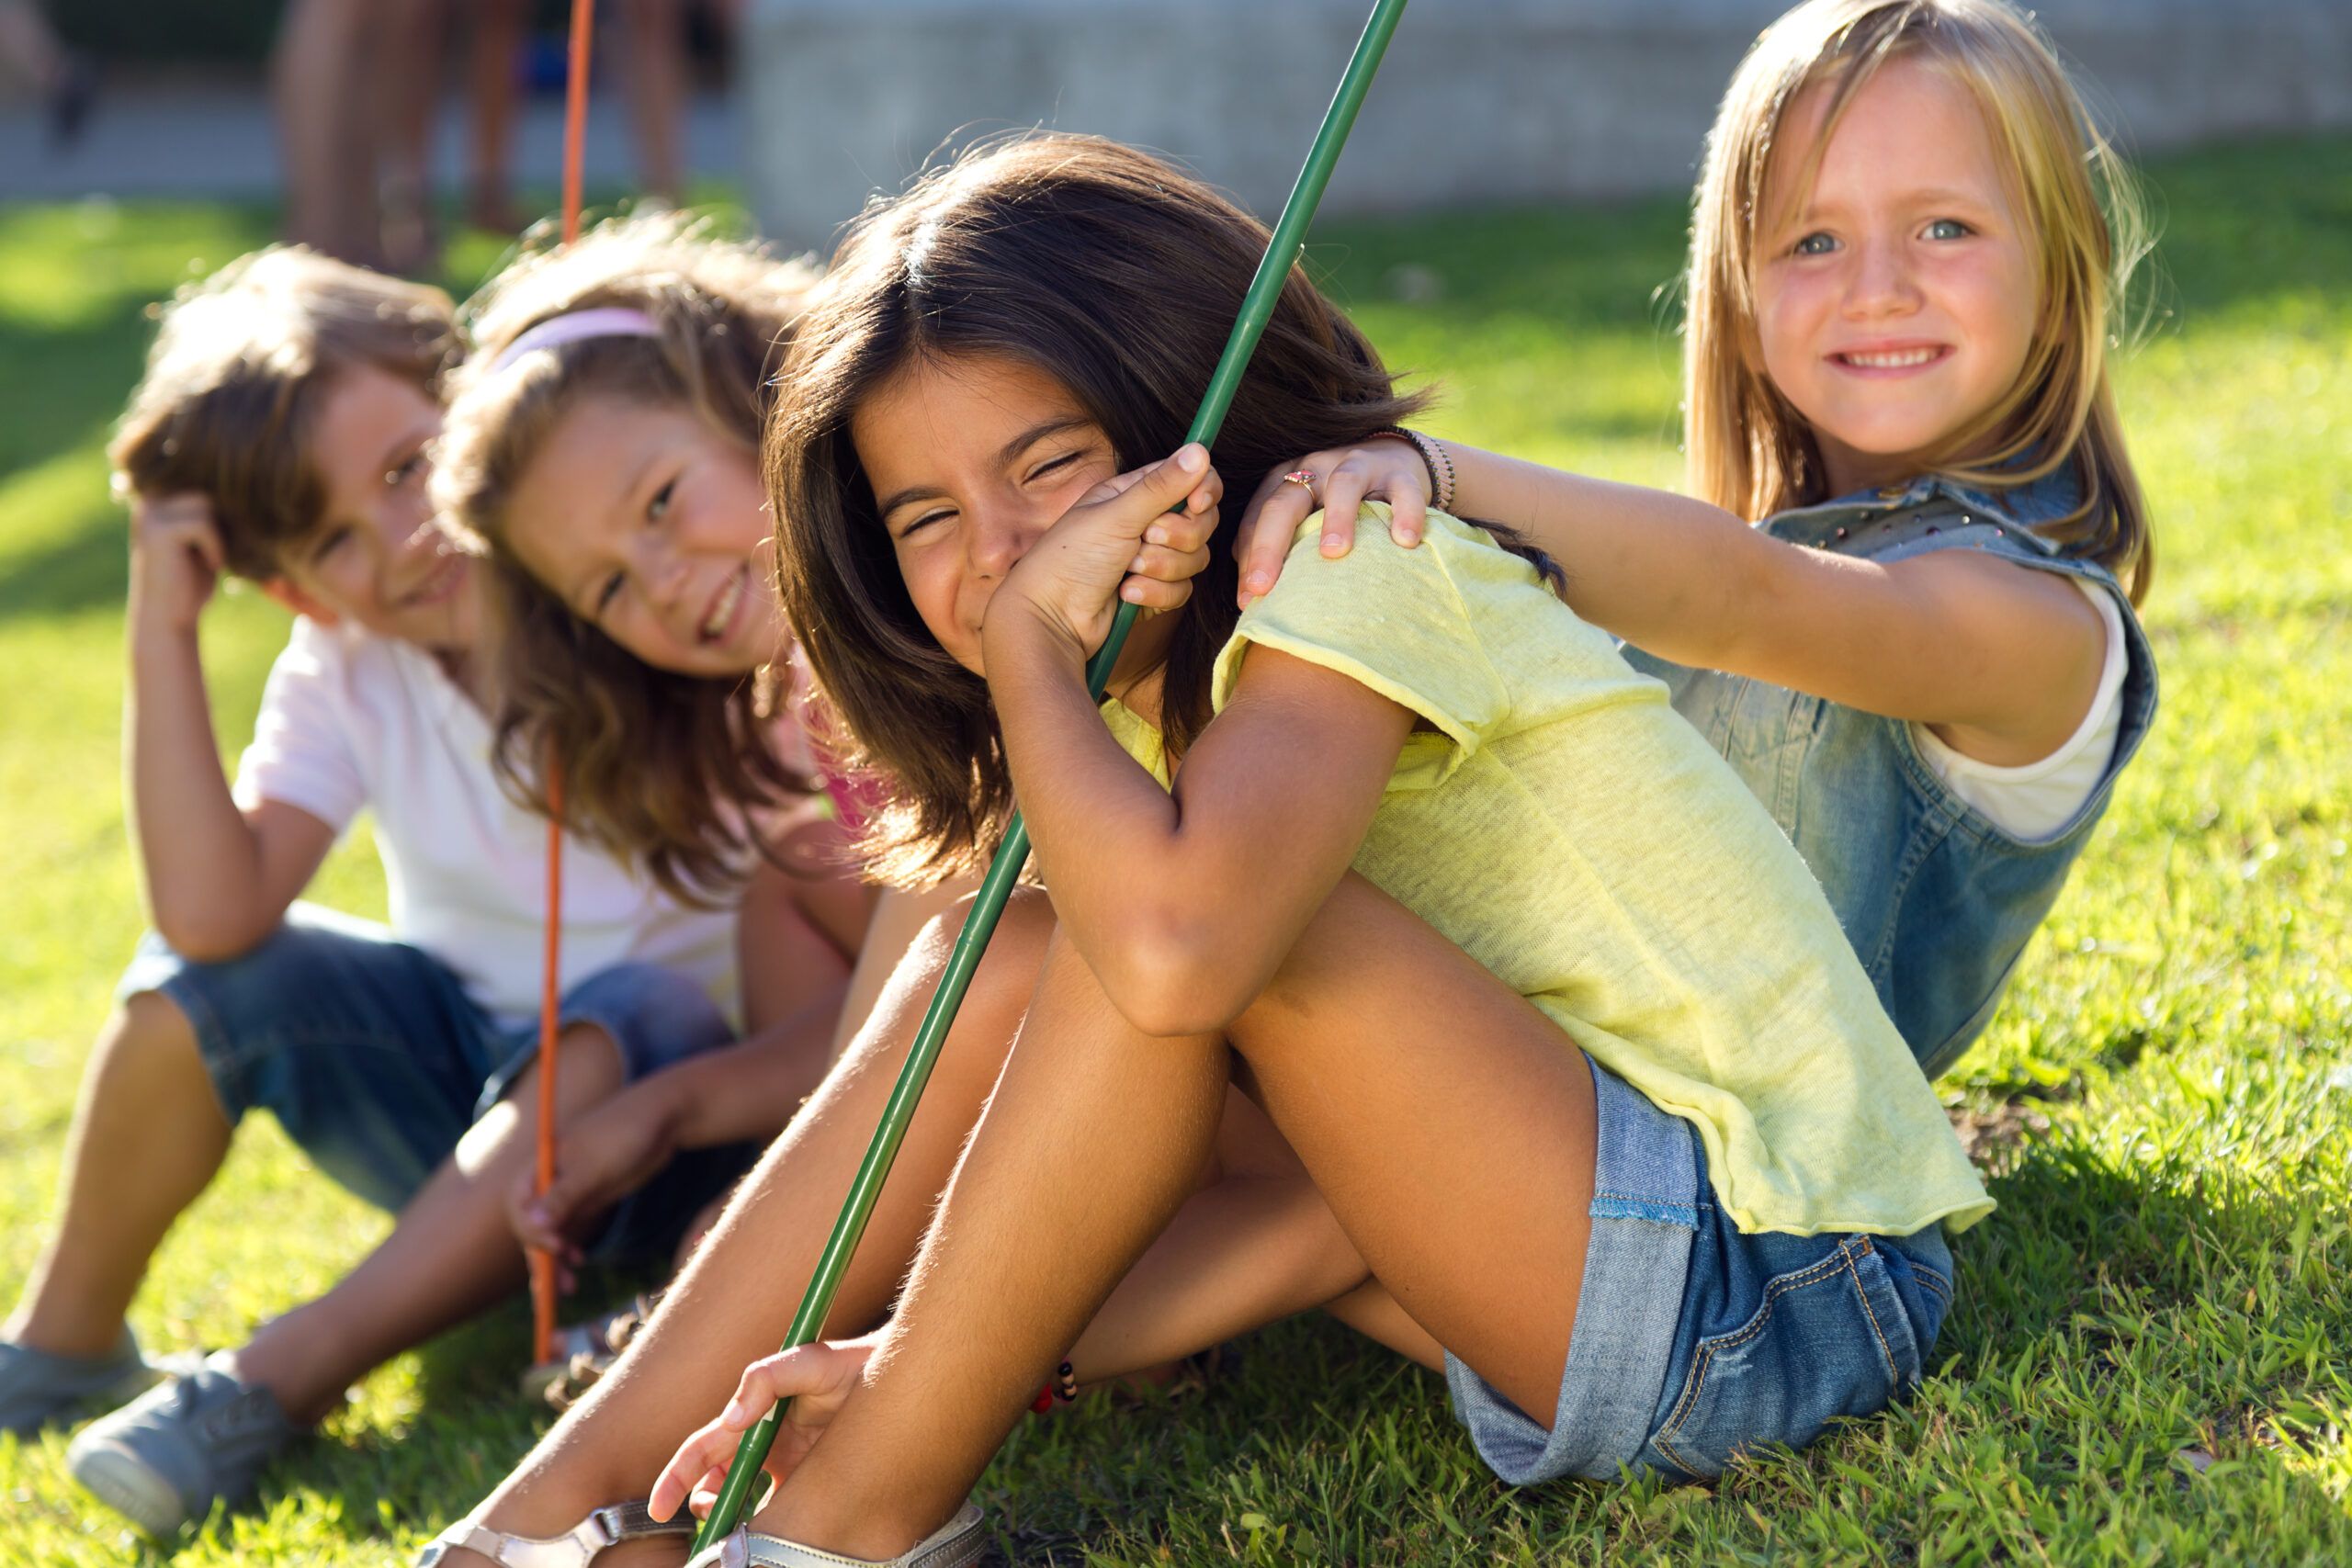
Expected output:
(417, 51)
(654, 41)
(491, 87)
(30, 53)
(412, 104)
(328, 121)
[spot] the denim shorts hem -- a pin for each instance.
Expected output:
(1693, 1341)
(373, 1058)
(1644, 1213)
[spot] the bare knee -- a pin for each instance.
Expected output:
(1007, 975)
(149, 1040)
(589, 1068)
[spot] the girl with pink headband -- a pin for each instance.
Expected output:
(602, 454)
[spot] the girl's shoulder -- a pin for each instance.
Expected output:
(1932, 513)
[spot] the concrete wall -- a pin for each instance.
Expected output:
(1479, 101)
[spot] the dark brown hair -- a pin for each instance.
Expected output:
(658, 766)
(237, 374)
(1118, 275)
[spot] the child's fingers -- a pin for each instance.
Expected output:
(706, 1450)
(1266, 541)
(205, 540)
(1145, 594)
(1166, 564)
(1182, 531)
(1166, 483)
(1343, 495)
(1409, 516)
(823, 1370)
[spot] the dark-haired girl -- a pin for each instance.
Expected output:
(1564, 1036)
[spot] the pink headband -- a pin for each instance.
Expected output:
(607, 321)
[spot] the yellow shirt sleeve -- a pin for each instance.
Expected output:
(1395, 620)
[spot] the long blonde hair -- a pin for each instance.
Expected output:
(658, 766)
(1749, 450)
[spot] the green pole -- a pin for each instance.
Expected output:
(1257, 308)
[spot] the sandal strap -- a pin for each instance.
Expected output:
(573, 1549)
(958, 1541)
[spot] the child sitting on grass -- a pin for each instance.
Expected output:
(602, 455)
(280, 434)
(1550, 1012)
(1925, 659)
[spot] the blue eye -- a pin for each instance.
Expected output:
(660, 504)
(1948, 229)
(1814, 245)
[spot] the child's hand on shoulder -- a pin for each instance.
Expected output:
(1140, 537)
(177, 559)
(1343, 480)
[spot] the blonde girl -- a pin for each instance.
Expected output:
(1548, 1009)
(1905, 258)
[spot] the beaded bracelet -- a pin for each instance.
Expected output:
(1062, 1388)
(1434, 458)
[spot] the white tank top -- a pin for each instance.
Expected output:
(2035, 801)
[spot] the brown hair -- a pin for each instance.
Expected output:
(1749, 451)
(657, 765)
(236, 376)
(1118, 275)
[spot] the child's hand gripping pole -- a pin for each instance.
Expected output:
(1257, 308)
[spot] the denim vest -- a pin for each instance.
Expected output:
(1937, 899)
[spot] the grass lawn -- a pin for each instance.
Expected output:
(2149, 1361)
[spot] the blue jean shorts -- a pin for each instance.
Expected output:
(1692, 1340)
(371, 1055)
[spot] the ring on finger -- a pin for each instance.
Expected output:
(1303, 477)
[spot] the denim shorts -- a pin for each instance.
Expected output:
(1692, 1340)
(371, 1055)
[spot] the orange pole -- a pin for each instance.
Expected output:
(543, 1262)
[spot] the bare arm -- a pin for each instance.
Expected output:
(1145, 880)
(218, 879)
(2002, 661)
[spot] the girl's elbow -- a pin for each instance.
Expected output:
(1171, 979)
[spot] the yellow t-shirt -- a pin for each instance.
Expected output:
(1563, 827)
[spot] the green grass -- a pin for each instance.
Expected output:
(2149, 1361)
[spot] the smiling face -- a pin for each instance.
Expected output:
(649, 523)
(1896, 301)
(376, 558)
(971, 460)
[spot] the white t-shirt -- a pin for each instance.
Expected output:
(2033, 801)
(351, 720)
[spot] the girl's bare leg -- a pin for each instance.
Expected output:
(736, 1297)
(1255, 1244)
(1449, 1125)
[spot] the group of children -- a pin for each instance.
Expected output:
(1525, 929)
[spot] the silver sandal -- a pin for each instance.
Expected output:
(573, 1549)
(958, 1541)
